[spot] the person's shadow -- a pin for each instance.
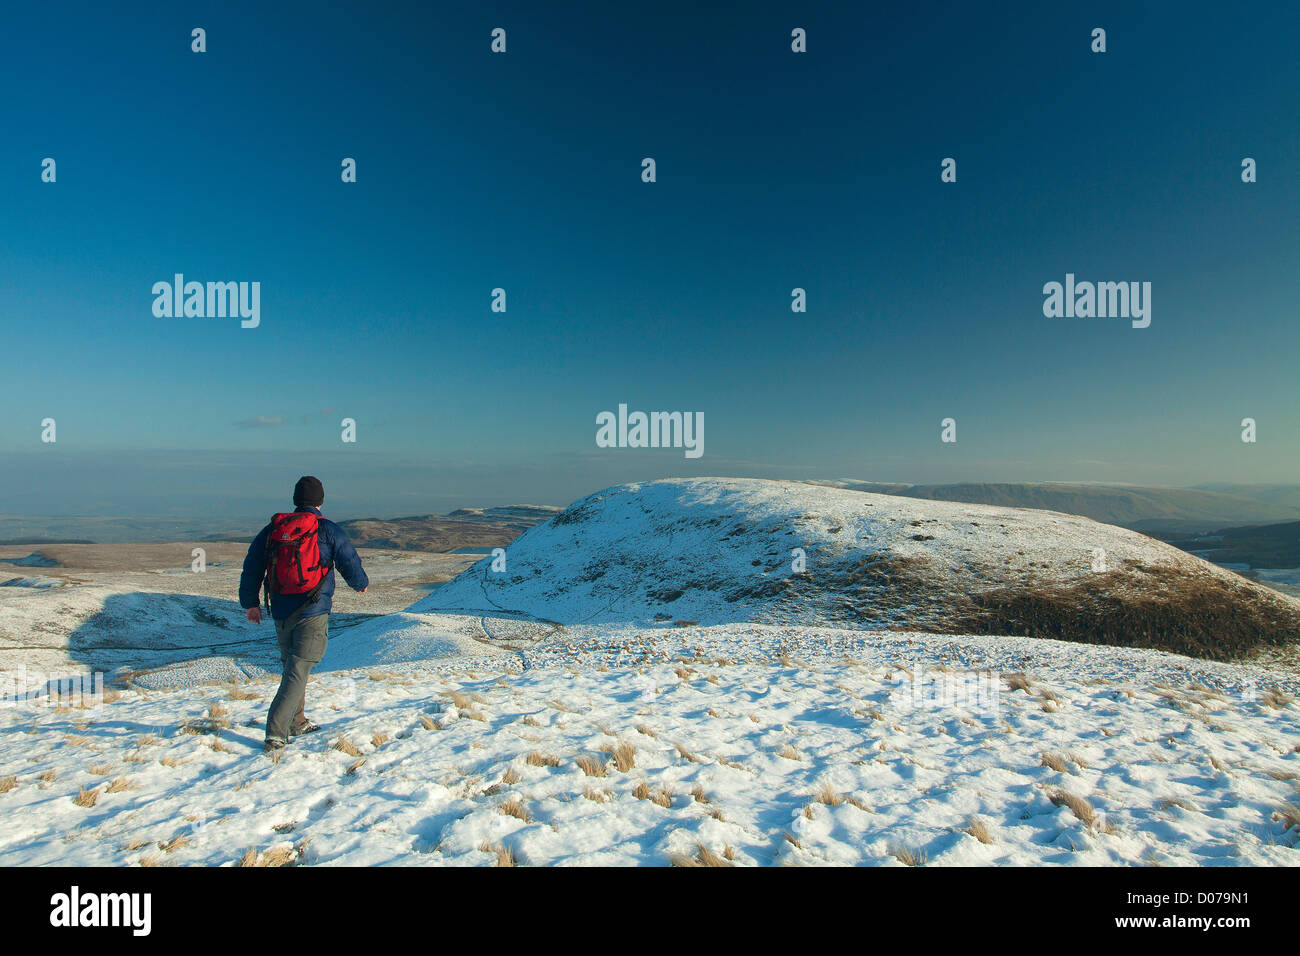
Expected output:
(149, 631)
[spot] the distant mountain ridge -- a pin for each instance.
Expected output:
(462, 528)
(1146, 509)
(1260, 546)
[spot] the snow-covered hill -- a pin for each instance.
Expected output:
(713, 550)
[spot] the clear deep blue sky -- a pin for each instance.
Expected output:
(522, 171)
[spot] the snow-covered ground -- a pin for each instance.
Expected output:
(761, 744)
(570, 711)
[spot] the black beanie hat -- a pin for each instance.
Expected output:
(308, 491)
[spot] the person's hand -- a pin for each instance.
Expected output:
(255, 615)
(364, 589)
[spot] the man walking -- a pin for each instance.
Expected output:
(295, 555)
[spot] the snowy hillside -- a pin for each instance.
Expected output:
(714, 550)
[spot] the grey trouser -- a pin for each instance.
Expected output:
(300, 648)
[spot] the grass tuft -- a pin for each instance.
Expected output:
(908, 857)
(979, 830)
(343, 745)
(1081, 808)
(624, 755)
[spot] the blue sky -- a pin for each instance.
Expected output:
(522, 171)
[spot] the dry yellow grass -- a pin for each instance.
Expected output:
(174, 844)
(1081, 808)
(789, 753)
(979, 830)
(1275, 698)
(343, 745)
(699, 795)
(908, 857)
(462, 701)
(503, 854)
(1289, 814)
(202, 726)
(1018, 681)
(703, 857)
(378, 739)
(1054, 761)
(855, 802)
(828, 796)
(510, 776)
(355, 766)
(7, 784)
(514, 807)
(120, 784)
(101, 769)
(427, 723)
(591, 765)
(686, 754)
(277, 856)
(624, 755)
(86, 798)
(238, 693)
(661, 797)
(536, 759)
(597, 796)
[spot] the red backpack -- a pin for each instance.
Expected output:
(293, 564)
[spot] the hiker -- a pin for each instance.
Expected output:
(295, 555)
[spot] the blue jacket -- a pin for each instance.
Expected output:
(335, 548)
